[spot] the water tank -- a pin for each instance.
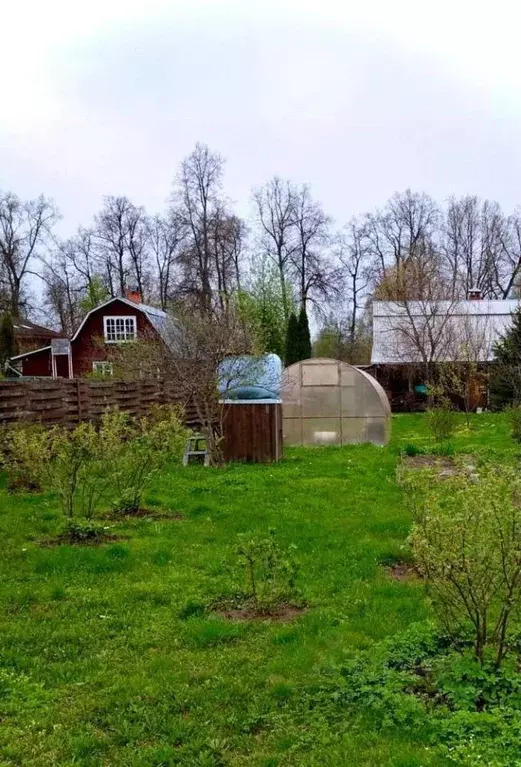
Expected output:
(250, 378)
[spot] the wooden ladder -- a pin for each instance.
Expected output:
(196, 449)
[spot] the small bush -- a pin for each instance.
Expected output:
(24, 454)
(412, 450)
(441, 423)
(270, 571)
(444, 449)
(514, 417)
(83, 531)
(466, 540)
(138, 449)
(78, 471)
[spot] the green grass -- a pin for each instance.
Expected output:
(107, 656)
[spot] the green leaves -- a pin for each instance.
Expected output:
(88, 467)
(24, 453)
(441, 422)
(466, 540)
(270, 571)
(139, 448)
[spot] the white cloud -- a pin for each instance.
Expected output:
(357, 98)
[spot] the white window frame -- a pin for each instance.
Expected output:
(103, 367)
(124, 333)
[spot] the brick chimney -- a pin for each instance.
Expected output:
(475, 294)
(132, 294)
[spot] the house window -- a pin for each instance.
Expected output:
(103, 368)
(118, 329)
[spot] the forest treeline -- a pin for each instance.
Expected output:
(287, 256)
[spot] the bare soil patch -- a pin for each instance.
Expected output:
(403, 571)
(428, 462)
(446, 466)
(19, 486)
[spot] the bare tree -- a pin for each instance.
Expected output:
(414, 326)
(62, 289)
(138, 250)
(354, 254)
(275, 214)
(405, 230)
(121, 235)
(227, 235)
(25, 232)
(478, 247)
(193, 348)
(512, 255)
(311, 269)
(463, 372)
(197, 196)
(201, 348)
(166, 235)
(81, 251)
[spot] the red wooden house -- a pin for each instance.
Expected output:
(118, 320)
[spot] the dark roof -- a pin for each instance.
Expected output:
(28, 329)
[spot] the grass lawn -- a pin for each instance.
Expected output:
(106, 658)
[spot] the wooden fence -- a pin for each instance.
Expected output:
(66, 402)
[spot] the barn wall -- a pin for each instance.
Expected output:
(38, 364)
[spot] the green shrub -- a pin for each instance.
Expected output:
(270, 571)
(444, 449)
(24, 454)
(78, 471)
(411, 450)
(466, 540)
(404, 680)
(82, 530)
(138, 449)
(441, 422)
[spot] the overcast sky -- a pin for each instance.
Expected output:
(357, 98)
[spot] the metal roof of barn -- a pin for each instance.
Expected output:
(447, 328)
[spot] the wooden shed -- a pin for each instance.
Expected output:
(253, 431)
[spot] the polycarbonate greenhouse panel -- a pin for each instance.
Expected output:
(320, 401)
(321, 431)
(328, 402)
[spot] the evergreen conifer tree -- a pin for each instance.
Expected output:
(505, 378)
(304, 335)
(292, 341)
(8, 346)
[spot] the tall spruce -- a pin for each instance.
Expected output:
(505, 378)
(292, 341)
(8, 346)
(304, 335)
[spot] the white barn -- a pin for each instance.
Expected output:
(438, 331)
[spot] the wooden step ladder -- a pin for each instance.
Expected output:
(195, 450)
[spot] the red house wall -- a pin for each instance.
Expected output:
(90, 344)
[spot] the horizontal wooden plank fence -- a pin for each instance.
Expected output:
(69, 401)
